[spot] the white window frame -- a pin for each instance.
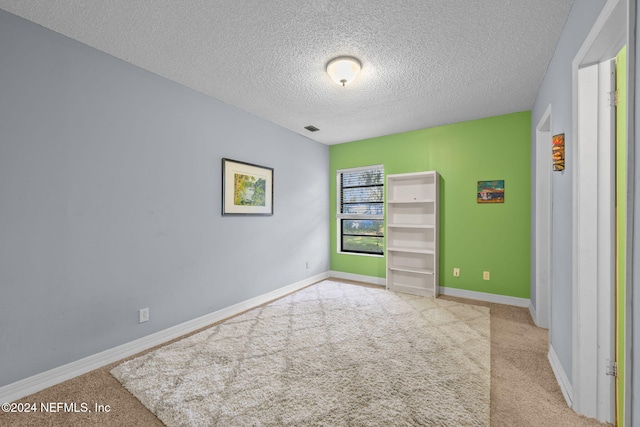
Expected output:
(340, 216)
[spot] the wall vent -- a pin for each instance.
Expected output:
(311, 128)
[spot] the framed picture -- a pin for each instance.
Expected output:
(247, 189)
(491, 191)
(558, 152)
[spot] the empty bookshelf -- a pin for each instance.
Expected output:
(412, 232)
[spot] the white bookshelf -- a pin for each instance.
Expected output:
(412, 232)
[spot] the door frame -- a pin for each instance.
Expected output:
(543, 222)
(592, 320)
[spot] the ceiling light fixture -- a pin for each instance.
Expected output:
(343, 70)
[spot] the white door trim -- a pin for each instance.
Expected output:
(543, 221)
(585, 246)
(606, 238)
(593, 331)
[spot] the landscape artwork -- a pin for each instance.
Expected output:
(491, 191)
(247, 189)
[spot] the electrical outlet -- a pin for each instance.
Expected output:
(307, 264)
(486, 275)
(143, 315)
(456, 272)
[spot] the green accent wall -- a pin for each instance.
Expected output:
(473, 237)
(621, 226)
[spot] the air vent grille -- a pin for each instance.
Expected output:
(311, 128)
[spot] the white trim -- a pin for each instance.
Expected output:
(340, 216)
(380, 281)
(590, 314)
(561, 376)
(585, 246)
(454, 292)
(414, 174)
(360, 254)
(606, 243)
(483, 296)
(607, 36)
(35, 383)
(543, 221)
(38, 382)
(532, 312)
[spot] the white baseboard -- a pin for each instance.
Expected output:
(358, 278)
(532, 312)
(35, 383)
(561, 376)
(461, 293)
(483, 296)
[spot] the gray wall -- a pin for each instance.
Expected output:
(110, 181)
(556, 90)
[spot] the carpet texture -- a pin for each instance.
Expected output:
(332, 354)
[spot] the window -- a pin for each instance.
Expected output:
(361, 210)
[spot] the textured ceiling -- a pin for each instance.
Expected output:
(424, 62)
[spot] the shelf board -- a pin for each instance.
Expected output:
(416, 290)
(411, 225)
(411, 250)
(412, 270)
(410, 202)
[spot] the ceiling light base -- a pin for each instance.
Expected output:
(344, 69)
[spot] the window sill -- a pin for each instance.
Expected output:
(357, 254)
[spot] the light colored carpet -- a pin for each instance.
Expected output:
(332, 354)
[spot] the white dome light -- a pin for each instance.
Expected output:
(343, 70)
